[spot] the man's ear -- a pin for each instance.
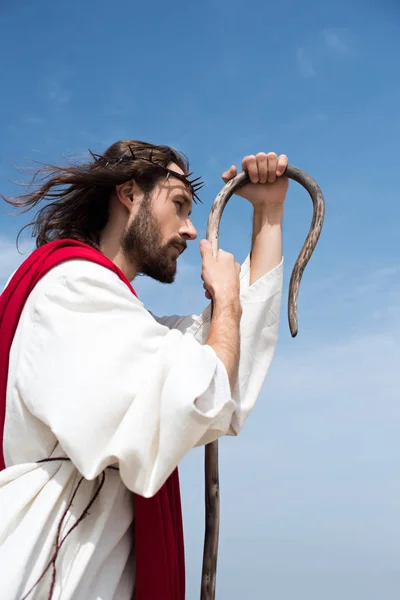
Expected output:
(127, 193)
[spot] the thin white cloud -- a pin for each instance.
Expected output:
(358, 296)
(328, 45)
(114, 110)
(306, 122)
(31, 120)
(316, 460)
(57, 93)
(335, 41)
(306, 67)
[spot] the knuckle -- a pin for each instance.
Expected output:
(227, 255)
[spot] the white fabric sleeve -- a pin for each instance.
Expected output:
(261, 303)
(185, 322)
(114, 385)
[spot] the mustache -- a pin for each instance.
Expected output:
(178, 242)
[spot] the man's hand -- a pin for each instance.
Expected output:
(268, 186)
(221, 276)
(266, 192)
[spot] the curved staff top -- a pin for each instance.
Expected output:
(210, 552)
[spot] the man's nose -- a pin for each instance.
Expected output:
(188, 230)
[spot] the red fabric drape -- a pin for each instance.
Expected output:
(160, 564)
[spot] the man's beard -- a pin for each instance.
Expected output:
(142, 242)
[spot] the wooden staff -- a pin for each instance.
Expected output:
(212, 504)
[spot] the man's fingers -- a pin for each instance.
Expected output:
(272, 166)
(206, 252)
(249, 164)
(282, 164)
(205, 249)
(229, 174)
(206, 292)
(262, 166)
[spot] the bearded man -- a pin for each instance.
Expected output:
(99, 399)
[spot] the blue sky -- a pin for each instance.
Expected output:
(310, 489)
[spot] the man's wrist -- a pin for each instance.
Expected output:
(227, 306)
(268, 214)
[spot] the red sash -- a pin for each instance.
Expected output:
(160, 560)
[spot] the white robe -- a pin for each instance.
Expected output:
(95, 377)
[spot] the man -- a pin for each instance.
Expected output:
(102, 399)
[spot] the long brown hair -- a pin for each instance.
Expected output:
(78, 196)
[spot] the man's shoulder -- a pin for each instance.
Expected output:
(77, 268)
(78, 282)
(87, 271)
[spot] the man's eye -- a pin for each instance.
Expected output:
(180, 204)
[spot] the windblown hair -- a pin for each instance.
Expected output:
(77, 197)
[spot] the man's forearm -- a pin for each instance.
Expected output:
(224, 337)
(266, 251)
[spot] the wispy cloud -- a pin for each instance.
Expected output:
(114, 110)
(317, 458)
(305, 64)
(335, 41)
(307, 121)
(328, 45)
(31, 120)
(57, 92)
(118, 101)
(359, 297)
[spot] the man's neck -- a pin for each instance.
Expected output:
(110, 246)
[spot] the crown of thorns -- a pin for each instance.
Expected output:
(194, 184)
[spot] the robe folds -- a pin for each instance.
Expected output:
(93, 377)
